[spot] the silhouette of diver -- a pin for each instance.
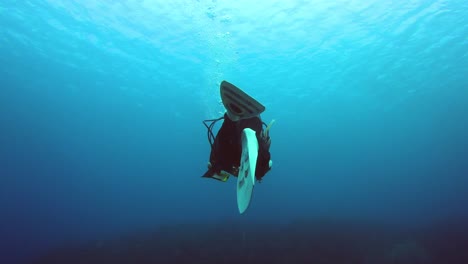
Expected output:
(226, 148)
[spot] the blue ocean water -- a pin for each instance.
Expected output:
(102, 102)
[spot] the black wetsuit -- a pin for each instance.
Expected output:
(227, 147)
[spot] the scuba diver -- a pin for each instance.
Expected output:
(242, 111)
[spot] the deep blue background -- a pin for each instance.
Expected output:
(101, 107)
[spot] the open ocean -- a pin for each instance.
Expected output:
(102, 144)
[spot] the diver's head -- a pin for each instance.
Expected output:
(232, 116)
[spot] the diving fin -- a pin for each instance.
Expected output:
(221, 176)
(238, 104)
(211, 173)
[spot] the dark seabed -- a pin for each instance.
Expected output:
(102, 144)
(322, 241)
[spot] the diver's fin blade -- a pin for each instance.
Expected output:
(208, 174)
(222, 176)
(238, 104)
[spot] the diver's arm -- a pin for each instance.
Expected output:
(263, 159)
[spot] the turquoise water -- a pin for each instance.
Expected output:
(101, 106)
